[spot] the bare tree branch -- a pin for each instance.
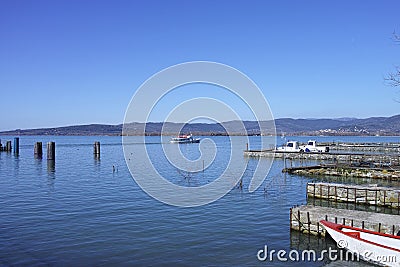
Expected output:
(395, 37)
(393, 78)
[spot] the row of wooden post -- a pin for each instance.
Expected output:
(8, 146)
(51, 149)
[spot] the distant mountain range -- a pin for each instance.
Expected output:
(287, 126)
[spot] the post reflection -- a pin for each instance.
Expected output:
(51, 168)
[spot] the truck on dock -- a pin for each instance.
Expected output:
(291, 146)
(312, 147)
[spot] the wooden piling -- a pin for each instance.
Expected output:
(384, 198)
(16, 145)
(299, 219)
(96, 149)
(51, 151)
(8, 146)
(38, 150)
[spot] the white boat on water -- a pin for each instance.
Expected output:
(181, 139)
(375, 247)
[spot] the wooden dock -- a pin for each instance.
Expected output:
(349, 158)
(357, 194)
(343, 170)
(372, 147)
(306, 219)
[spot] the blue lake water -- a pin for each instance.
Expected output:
(80, 212)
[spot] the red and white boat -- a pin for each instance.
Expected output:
(379, 248)
(182, 139)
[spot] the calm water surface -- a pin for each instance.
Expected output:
(79, 212)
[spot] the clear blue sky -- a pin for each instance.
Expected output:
(77, 62)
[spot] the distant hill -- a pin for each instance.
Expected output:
(287, 126)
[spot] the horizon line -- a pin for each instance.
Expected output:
(120, 124)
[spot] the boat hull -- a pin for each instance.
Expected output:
(381, 249)
(185, 141)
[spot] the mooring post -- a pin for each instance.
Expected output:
(51, 151)
(355, 196)
(329, 190)
(314, 190)
(96, 149)
(384, 198)
(298, 219)
(8, 146)
(38, 150)
(398, 200)
(16, 145)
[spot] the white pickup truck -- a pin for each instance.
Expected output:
(291, 146)
(312, 147)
